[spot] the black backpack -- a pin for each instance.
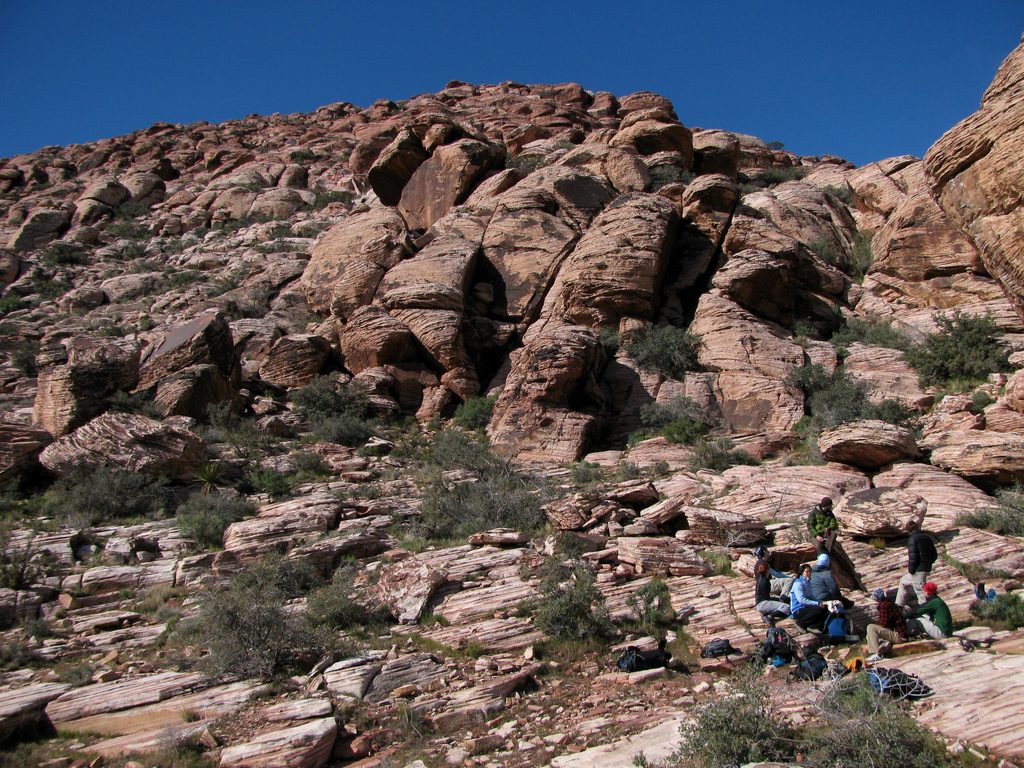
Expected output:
(777, 643)
(717, 648)
(635, 660)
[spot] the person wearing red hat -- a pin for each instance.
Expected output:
(933, 618)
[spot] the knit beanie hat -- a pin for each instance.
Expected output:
(931, 588)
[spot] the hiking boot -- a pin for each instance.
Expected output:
(874, 658)
(885, 648)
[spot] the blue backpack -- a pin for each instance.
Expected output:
(836, 628)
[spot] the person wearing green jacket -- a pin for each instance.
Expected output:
(933, 617)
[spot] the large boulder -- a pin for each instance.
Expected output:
(192, 390)
(407, 586)
(616, 269)
(372, 338)
(20, 446)
(203, 340)
(534, 227)
(130, 442)
(446, 179)
(867, 444)
(295, 360)
(988, 459)
(349, 260)
(41, 226)
(307, 745)
(78, 376)
(881, 512)
(395, 165)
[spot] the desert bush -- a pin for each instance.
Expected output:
(721, 563)
(497, 498)
(844, 194)
(585, 472)
(268, 481)
(1005, 518)
(205, 516)
(873, 332)
(106, 494)
(475, 412)
(325, 197)
(20, 568)
(1005, 609)
(244, 624)
(651, 605)
(75, 674)
(980, 400)
(772, 176)
(718, 455)
(861, 256)
(140, 403)
(24, 359)
(571, 606)
(742, 726)
(338, 412)
(333, 606)
(833, 399)
(864, 729)
(662, 175)
(10, 303)
(665, 349)
(965, 347)
(681, 421)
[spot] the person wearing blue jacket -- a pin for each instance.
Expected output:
(806, 611)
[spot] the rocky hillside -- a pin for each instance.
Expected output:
(376, 364)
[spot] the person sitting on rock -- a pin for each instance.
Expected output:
(770, 608)
(822, 524)
(891, 627)
(807, 612)
(781, 583)
(933, 618)
(823, 583)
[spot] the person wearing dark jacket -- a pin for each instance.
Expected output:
(823, 583)
(766, 603)
(822, 524)
(921, 555)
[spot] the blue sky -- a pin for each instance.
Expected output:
(857, 78)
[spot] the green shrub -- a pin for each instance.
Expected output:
(338, 412)
(833, 399)
(861, 256)
(651, 605)
(498, 497)
(325, 197)
(718, 455)
(140, 403)
(244, 623)
(585, 473)
(741, 726)
(475, 412)
(571, 606)
(19, 568)
(965, 347)
(24, 359)
(665, 349)
(60, 253)
(980, 400)
(105, 494)
(205, 516)
(333, 606)
(1005, 609)
(721, 563)
(772, 176)
(844, 194)
(864, 729)
(10, 303)
(455, 449)
(662, 175)
(268, 481)
(681, 421)
(1005, 518)
(874, 333)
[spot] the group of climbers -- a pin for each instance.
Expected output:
(815, 603)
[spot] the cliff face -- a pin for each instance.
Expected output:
(574, 256)
(976, 173)
(480, 240)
